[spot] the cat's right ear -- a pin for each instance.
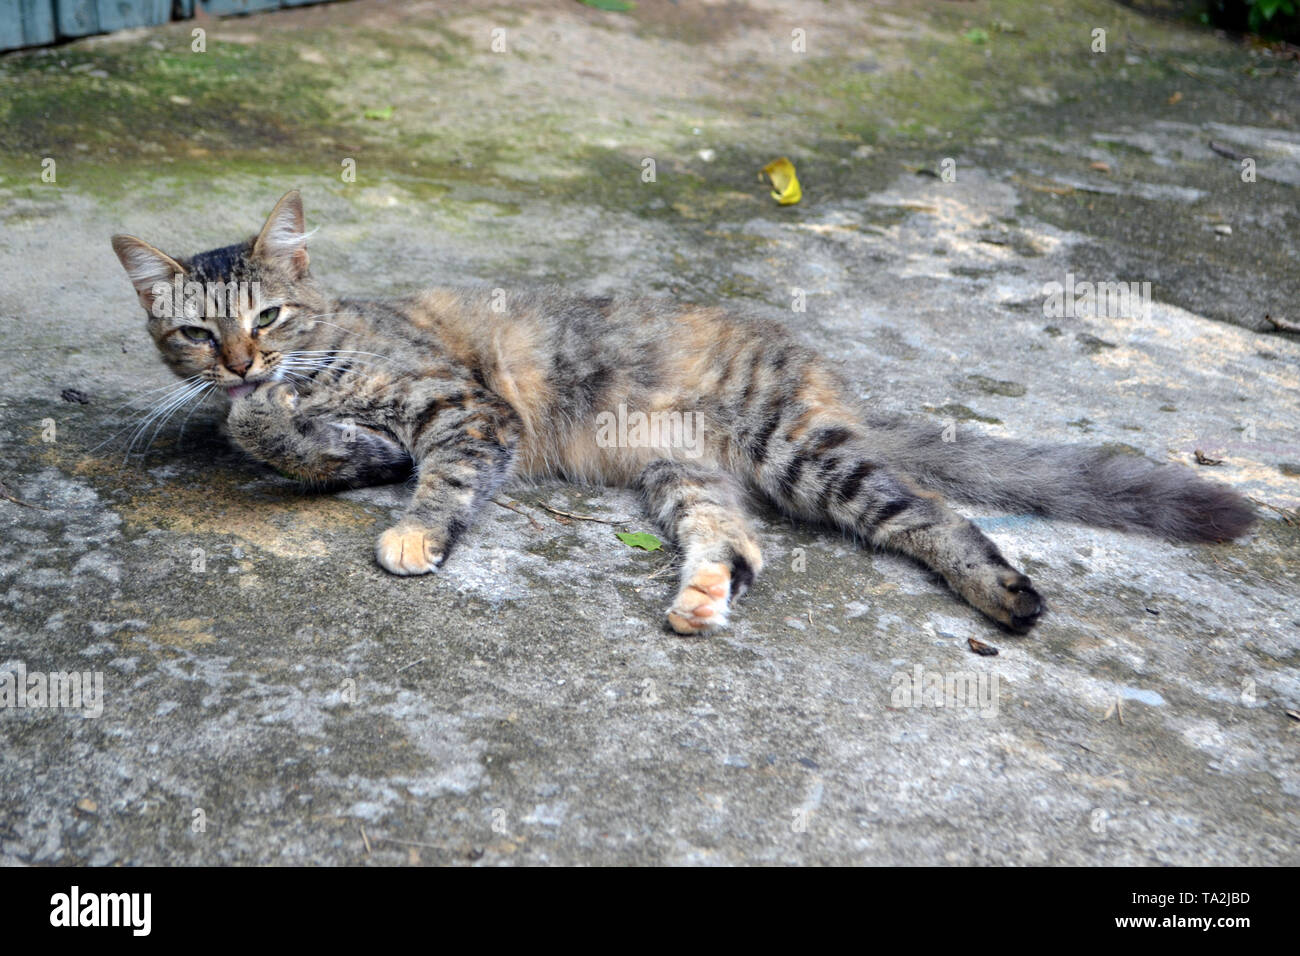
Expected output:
(146, 267)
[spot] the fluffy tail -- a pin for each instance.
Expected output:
(1093, 486)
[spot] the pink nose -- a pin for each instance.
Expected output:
(239, 366)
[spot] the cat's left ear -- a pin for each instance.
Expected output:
(283, 239)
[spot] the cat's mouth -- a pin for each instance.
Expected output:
(239, 391)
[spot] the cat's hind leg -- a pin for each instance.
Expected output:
(701, 511)
(831, 475)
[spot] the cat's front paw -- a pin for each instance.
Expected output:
(280, 395)
(274, 397)
(253, 418)
(410, 549)
(701, 605)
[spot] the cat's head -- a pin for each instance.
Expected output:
(228, 315)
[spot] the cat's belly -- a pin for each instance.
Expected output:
(616, 447)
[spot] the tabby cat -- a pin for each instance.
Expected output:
(471, 387)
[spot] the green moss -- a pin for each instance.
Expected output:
(1119, 448)
(127, 103)
(992, 386)
(962, 414)
(1093, 345)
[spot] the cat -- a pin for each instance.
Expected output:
(469, 388)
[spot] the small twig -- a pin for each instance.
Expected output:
(661, 572)
(366, 840)
(570, 514)
(1204, 459)
(1288, 517)
(4, 493)
(519, 511)
(1056, 190)
(1223, 150)
(412, 664)
(427, 846)
(1075, 743)
(1281, 325)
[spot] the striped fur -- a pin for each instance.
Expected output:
(471, 387)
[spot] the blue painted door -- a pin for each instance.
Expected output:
(26, 23)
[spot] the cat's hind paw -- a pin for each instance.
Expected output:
(701, 605)
(409, 550)
(1007, 596)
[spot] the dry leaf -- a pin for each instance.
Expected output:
(785, 184)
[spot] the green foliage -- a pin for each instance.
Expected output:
(1275, 19)
(617, 6)
(641, 539)
(1263, 11)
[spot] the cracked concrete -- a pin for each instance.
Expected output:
(270, 693)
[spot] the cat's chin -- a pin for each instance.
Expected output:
(239, 391)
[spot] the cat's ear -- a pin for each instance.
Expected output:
(283, 239)
(146, 267)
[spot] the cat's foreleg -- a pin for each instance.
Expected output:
(306, 445)
(465, 447)
(701, 511)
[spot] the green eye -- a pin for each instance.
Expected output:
(196, 333)
(268, 316)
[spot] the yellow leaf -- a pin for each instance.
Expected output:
(785, 184)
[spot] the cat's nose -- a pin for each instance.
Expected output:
(240, 366)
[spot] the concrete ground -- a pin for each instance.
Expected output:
(271, 696)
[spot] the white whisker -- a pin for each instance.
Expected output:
(163, 408)
(197, 404)
(199, 393)
(174, 390)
